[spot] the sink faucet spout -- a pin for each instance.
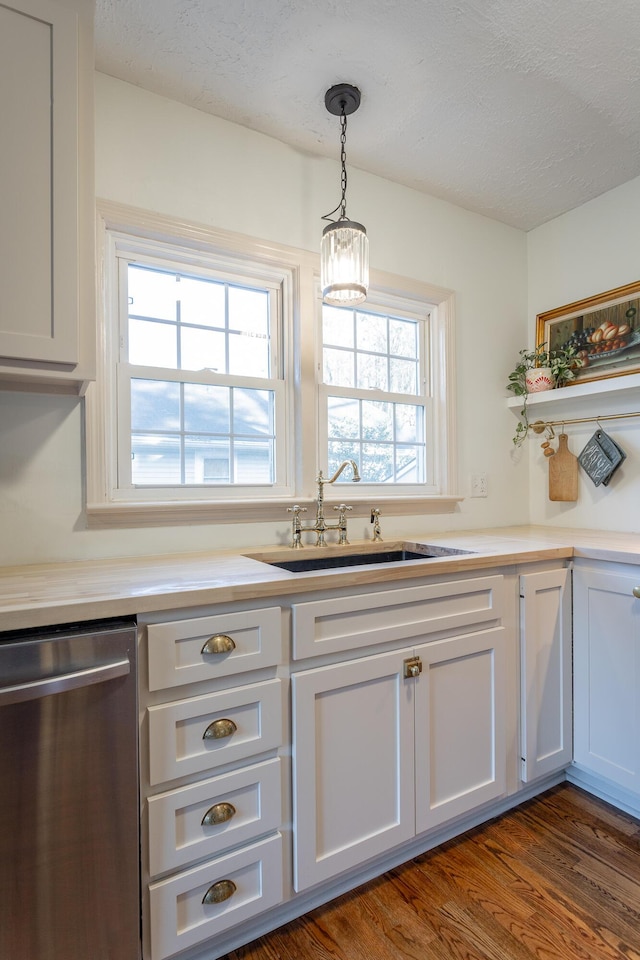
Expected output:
(345, 463)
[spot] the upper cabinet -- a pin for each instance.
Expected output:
(47, 287)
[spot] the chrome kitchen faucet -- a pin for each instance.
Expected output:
(321, 525)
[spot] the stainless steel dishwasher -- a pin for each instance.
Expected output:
(69, 836)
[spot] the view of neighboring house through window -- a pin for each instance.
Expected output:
(199, 366)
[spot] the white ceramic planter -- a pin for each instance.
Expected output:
(538, 379)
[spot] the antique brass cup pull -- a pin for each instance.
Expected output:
(218, 813)
(217, 644)
(220, 891)
(218, 729)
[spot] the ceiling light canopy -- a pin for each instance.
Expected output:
(344, 250)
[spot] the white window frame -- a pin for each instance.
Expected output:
(387, 304)
(127, 252)
(299, 439)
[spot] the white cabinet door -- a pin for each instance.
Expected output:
(607, 674)
(379, 757)
(545, 679)
(460, 726)
(47, 228)
(353, 764)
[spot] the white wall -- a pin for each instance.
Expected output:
(582, 253)
(159, 155)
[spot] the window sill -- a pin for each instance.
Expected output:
(172, 513)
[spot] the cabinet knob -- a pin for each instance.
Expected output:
(219, 643)
(220, 891)
(412, 667)
(636, 592)
(218, 729)
(218, 813)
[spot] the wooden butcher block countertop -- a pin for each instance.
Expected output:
(71, 591)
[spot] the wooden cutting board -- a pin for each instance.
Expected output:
(563, 472)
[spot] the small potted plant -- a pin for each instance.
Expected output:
(540, 369)
(564, 363)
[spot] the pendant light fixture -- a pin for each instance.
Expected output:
(344, 250)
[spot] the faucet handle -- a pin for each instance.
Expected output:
(296, 526)
(375, 520)
(342, 523)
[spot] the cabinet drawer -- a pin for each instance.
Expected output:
(346, 623)
(177, 650)
(250, 797)
(179, 918)
(177, 742)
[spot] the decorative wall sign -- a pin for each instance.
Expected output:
(605, 330)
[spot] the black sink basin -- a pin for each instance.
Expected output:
(304, 564)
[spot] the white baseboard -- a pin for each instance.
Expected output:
(605, 790)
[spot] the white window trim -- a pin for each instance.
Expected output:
(381, 302)
(279, 289)
(109, 507)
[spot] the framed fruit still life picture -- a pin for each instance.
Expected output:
(604, 331)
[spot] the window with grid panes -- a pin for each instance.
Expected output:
(199, 384)
(374, 393)
(224, 384)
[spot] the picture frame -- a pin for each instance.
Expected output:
(605, 330)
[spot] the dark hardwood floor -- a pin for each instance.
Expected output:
(559, 877)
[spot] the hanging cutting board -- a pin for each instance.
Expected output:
(563, 472)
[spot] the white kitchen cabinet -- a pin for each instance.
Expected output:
(607, 672)
(352, 622)
(208, 648)
(545, 672)
(353, 764)
(404, 730)
(47, 313)
(460, 726)
(390, 745)
(211, 776)
(199, 904)
(197, 734)
(206, 818)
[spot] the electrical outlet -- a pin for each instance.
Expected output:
(479, 485)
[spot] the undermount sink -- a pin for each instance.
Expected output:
(360, 558)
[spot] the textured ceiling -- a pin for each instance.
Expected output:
(517, 109)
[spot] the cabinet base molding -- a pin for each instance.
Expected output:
(304, 902)
(604, 789)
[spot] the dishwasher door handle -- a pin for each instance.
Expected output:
(64, 682)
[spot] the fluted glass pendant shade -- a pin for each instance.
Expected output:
(344, 263)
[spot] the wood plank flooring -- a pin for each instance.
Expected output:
(559, 877)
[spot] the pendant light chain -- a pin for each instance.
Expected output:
(343, 161)
(342, 206)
